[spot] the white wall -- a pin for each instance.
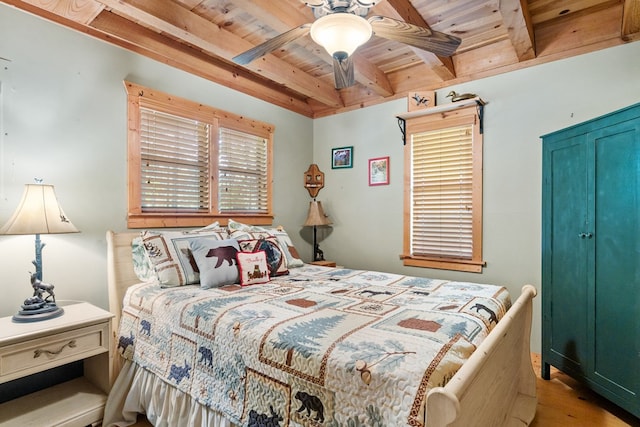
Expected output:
(522, 106)
(63, 119)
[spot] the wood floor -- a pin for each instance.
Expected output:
(562, 402)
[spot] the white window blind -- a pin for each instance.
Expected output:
(190, 164)
(174, 163)
(243, 179)
(442, 193)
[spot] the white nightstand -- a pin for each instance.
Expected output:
(83, 332)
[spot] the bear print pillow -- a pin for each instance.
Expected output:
(216, 261)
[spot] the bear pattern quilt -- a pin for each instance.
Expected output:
(318, 347)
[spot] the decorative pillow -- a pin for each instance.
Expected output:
(171, 256)
(216, 261)
(275, 256)
(142, 265)
(293, 258)
(239, 230)
(253, 267)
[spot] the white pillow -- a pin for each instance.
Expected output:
(216, 261)
(170, 254)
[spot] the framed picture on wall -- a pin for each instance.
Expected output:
(379, 171)
(341, 157)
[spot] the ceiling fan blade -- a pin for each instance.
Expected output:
(423, 38)
(271, 45)
(343, 72)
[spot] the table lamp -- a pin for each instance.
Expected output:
(38, 213)
(316, 217)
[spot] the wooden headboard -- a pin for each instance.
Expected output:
(120, 273)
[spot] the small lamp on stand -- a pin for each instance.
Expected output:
(38, 213)
(314, 182)
(316, 217)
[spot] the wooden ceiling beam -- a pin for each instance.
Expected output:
(122, 32)
(371, 77)
(490, 46)
(51, 12)
(281, 17)
(116, 30)
(631, 20)
(403, 10)
(517, 19)
(171, 18)
(595, 27)
(73, 10)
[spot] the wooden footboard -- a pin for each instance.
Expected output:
(497, 385)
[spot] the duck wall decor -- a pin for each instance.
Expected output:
(455, 97)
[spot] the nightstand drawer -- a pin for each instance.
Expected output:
(25, 358)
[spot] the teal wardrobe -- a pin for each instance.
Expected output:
(591, 255)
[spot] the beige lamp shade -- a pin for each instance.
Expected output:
(38, 213)
(316, 215)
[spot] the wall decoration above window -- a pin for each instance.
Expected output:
(458, 102)
(419, 100)
(341, 157)
(379, 171)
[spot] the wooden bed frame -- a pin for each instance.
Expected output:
(495, 387)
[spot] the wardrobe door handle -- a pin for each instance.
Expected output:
(587, 235)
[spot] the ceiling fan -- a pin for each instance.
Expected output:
(341, 27)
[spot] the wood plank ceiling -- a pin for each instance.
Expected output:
(201, 37)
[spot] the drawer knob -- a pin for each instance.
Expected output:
(38, 352)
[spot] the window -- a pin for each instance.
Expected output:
(443, 191)
(243, 181)
(174, 166)
(190, 165)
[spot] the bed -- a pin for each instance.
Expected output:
(356, 350)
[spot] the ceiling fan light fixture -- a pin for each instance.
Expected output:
(341, 33)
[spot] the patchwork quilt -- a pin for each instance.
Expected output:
(318, 347)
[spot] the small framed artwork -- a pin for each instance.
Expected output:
(379, 171)
(341, 157)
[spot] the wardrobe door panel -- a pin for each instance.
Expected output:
(564, 251)
(616, 362)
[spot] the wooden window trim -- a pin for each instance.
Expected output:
(140, 96)
(442, 120)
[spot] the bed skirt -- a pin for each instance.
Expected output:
(137, 391)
